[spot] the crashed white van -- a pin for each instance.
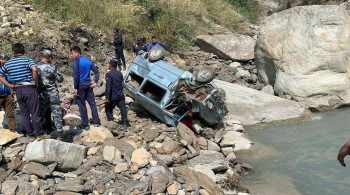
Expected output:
(172, 94)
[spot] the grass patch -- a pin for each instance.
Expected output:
(174, 22)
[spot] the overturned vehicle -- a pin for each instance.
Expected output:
(174, 95)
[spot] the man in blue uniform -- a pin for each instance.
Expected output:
(144, 41)
(48, 92)
(139, 46)
(156, 43)
(114, 94)
(6, 98)
(118, 44)
(83, 86)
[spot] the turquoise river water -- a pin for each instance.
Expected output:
(301, 158)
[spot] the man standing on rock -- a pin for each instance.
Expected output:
(114, 94)
(24, 78)
(83, 87)
(6, 98)
(118, 44)
(48, 92)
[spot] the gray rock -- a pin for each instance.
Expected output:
(170, 146)
(268, 89)
(100, 91)
(91, 162)
(159, 182)
(206, 170)
(3, 32)
(301, 55)
(150, 134)
(186, 133)
(39, 169)
(228, 46)
(212, 159)
(18, 188)
(241, 73)
(68, 156)
(124, 147)
(237, 140)
(73, 187)
(194, 178)
(252, 107)
(231, 157)
(167, 159)
(205, 144)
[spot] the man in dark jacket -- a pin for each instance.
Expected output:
(114, 94)
(6, 98)
(83, 86)
(118, 44)
(139, 46)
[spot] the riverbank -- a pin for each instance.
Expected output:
(300, 158)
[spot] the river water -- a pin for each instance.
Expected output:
(302, 157)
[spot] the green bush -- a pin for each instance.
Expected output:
(174, 22)
(248, 8)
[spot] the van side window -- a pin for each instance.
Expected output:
(134, 80)
(153, 91)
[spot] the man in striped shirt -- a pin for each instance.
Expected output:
(24, 79)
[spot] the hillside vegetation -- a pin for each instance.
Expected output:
(174, 22)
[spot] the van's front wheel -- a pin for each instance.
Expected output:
(205, 75)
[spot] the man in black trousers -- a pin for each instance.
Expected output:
(114, 94)
(118, 44)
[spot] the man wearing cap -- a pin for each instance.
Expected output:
(139, 46)
(118, 44)
(83, 86)
(24, 78)
(48, 92)
(144, 41)
(114, 94)
(6, 98)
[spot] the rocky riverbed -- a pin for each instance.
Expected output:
(151, 158)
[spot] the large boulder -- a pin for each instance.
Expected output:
(304, 52)
(228, 46)
(68, 156)
(251, 107)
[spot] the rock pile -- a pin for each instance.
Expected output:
(148, 158)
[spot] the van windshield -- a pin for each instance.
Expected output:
(153, 91)
(134, 80)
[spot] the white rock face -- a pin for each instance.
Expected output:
(252, 107)
(228, 46)
(304, 52)
(68, 156)
(236, 139)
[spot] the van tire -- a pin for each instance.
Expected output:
(205, 75)
(156, 53)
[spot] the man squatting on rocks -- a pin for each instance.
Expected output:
(24, 79)
(114, 94)
(6, 98)
(48, 92)
(83, 87)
